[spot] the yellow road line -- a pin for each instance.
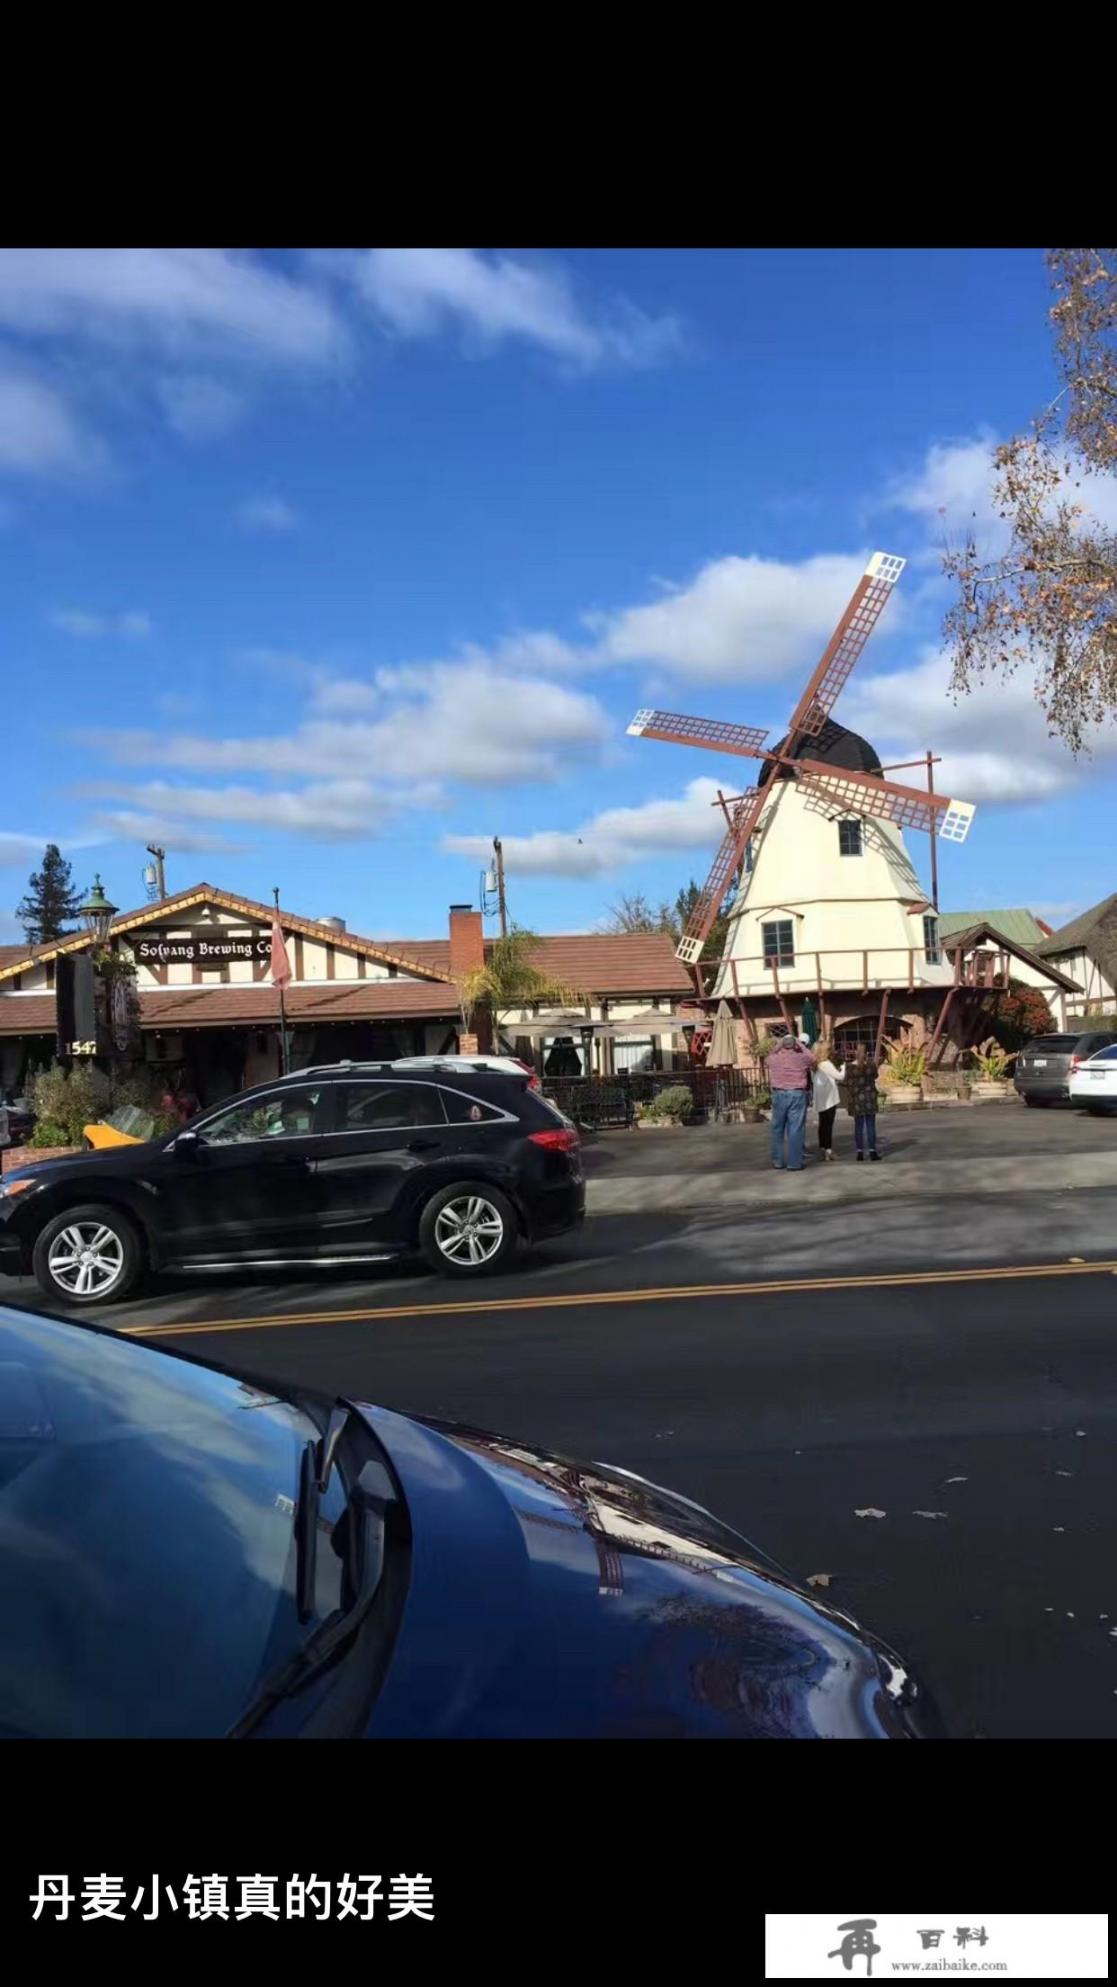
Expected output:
(661, 1295)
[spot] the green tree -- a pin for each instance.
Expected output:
(685, 904)
(1049, 598)
(52, 902)
(509, 978)
(637, 914)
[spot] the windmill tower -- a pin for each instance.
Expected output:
(828, 904)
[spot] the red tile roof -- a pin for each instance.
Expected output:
(631, 962)
(208, 1007)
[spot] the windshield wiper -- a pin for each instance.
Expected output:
(315, 1470)
(364, 1528)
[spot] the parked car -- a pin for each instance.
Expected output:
(187, 1553)
(17, 1122)
(509, 1065)
(354, 1162)
(1045, 1066)
(1094, 1082)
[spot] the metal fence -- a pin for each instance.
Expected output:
(606, 1101)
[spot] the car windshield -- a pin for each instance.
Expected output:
(147, 1561)
(130, 1118)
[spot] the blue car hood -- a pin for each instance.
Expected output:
(550, 1598)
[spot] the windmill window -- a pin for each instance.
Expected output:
(778, 940)
(932, 951)
(849, 838)
(748, 857)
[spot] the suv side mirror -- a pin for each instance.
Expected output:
(186, 1144)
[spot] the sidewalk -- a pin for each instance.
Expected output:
(996, 1151)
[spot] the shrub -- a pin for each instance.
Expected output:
(65, 1101)
(991, 1060)
(1020, 1013)
(676, 1101)
(905, 1064)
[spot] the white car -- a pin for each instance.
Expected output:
(1094, 1082)
(500, 1065)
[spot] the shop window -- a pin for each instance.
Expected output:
(778, 942)
(849, 838)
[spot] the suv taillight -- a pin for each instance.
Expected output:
(1074, 1061)
(556, 1141)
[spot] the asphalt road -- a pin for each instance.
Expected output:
(947, 1356)
(789, 1411)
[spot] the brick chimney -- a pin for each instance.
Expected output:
(467, 940)
(467, 953)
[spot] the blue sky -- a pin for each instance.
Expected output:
(324, 568)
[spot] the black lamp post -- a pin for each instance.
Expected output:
(587, 1051)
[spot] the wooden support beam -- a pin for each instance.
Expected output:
(865, 971)
(911, 969)
(781, 1000)
(940, 1023)
(880, 1026)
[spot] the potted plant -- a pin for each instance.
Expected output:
(991, 1062)
(672, 1106)
(902, 1076)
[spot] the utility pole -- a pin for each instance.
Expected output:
(159, 880)
(500, 898)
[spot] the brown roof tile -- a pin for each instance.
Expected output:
(631, 962)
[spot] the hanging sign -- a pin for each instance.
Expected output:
(205, 947)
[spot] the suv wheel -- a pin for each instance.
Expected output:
(466, 1230)
(89, 1255)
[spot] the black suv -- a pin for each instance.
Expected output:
(353, 1162)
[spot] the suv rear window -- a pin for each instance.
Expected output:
(464, 1110)
(1058, 1044)
(387, 1106)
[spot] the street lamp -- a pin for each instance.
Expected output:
(97, 913)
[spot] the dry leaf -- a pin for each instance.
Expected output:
(869, 1512)
(930, 1514)
(818, 1579)
(956, 1479)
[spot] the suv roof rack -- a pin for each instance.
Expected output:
(328, 1068)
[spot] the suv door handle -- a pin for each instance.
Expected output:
(422, 1144)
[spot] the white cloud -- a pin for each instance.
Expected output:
(739, 619)
(39, 433)
(431, 726)
(609, 839)
(266, 514)
(126, 825)
(951, 492)
(179, 299)
(198, 407)
(994, 742)
(421, 292)
(20, 848)
(84, 623)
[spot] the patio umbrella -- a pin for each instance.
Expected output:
(810, 1021)
(723, 1041)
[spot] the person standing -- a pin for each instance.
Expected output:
(827, 1076)
(790, 1065)
(862, 1080)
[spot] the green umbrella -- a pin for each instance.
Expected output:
(810, 1025)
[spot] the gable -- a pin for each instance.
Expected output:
(206, 906)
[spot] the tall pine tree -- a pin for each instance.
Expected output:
(51, 903)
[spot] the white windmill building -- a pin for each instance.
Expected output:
(826, 905)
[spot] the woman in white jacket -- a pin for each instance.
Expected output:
(827, 1076)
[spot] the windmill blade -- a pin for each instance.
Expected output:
(675, 729)
(908, 807)
(869, 599)
(727, 861)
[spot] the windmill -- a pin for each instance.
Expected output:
(844, 789)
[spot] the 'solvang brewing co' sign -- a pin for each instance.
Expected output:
(203, 947)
